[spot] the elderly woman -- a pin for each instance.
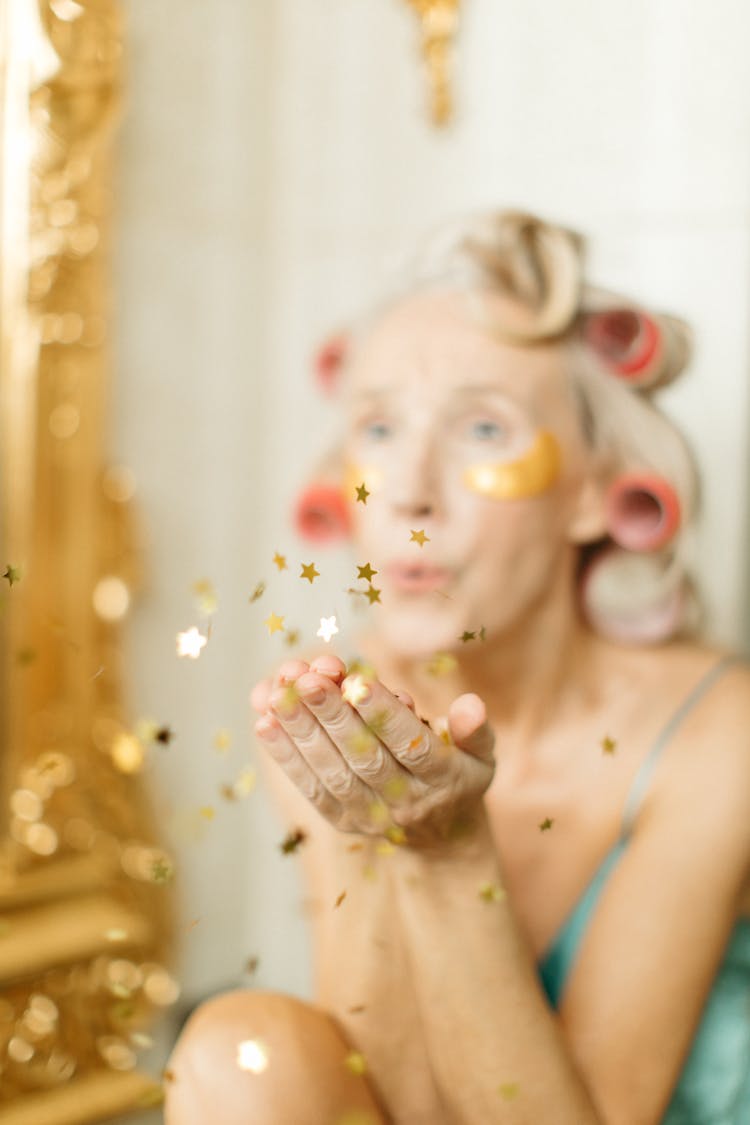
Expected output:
(533, 789)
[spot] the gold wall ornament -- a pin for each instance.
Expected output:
(439, 21)
(84, 915)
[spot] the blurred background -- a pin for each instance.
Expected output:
(271, 162)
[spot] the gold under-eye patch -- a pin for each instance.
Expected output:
(529, 475)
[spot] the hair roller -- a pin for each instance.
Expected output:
(644, 350)
(329, 360)
(321, 514)
(635, 599)
(642, 511)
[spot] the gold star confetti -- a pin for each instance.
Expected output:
(339, 900)
(362, 494)
(608, 745)
(546, 824)
(26, 656)
(309, 572)
(227, 792)
(205, 596)
(415, 742)
(385, 848)
(280, 561)
(467, 636)
(274, 624)
(366, 572)
(12, 573)
(222, 740)
(327, 628)
(164, 735)
(292, 841)
(356, 1009)
(258, 592)
(251, 966)
(395, 833)
(245, 783)
(252, 1055)
(292, 638)
(490, 892)
(442, 664)
(372, 595)
(482, 634)
(191, 643)
(168, 1075)
(161, 871)
(356, 1062)
(355, 689)
(419, 537)
(508, 1090)
(207, 812)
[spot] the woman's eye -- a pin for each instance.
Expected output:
(376, 431)
(484, 429)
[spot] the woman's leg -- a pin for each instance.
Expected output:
(306, 1080)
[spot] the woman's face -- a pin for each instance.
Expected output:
(474, 442)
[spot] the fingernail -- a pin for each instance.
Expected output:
(266, 730)
(314, 695)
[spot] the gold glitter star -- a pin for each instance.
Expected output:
(372, 595)
(223, 740)
(161, 872)
(274, 624)
(191, 643)
(419, 537)
(441, 664)
(327, 628)
(292, 841)
(339, 900)
(292, 637)
(362, 493)
(490, 892)
(508, 1090)
(608, 745)
(355, 689)
(309, 572)
(467, 636)
(356, 1062)
(546, 824)
(366, 572)
(205, 596)
(164, 735)
(258, 592)
(12, 573)
(280, 561)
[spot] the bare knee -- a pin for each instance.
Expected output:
(264, 1058)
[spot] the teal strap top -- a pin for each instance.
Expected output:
(714, 1085)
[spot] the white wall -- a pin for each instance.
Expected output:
(275, 158)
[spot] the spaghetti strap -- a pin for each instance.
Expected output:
(643, 776)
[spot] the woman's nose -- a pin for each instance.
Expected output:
(416, 481)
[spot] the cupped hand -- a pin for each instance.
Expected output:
(362, 757)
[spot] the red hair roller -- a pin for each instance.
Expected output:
(628, 341)
(322, 514)
(329, 360)
(642, 511)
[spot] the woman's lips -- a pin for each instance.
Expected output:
(415, 578)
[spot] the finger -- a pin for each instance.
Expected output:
(405, 698)
(288, 672)
(321, 754)
(329, 665)
(260, 694)
(469, 729)
(358, 746)
(283, 751)
(411, 742)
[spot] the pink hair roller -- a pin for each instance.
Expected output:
(642, 511)
(634, 599)
(322, 515)
(329, 359)
(629, 342)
